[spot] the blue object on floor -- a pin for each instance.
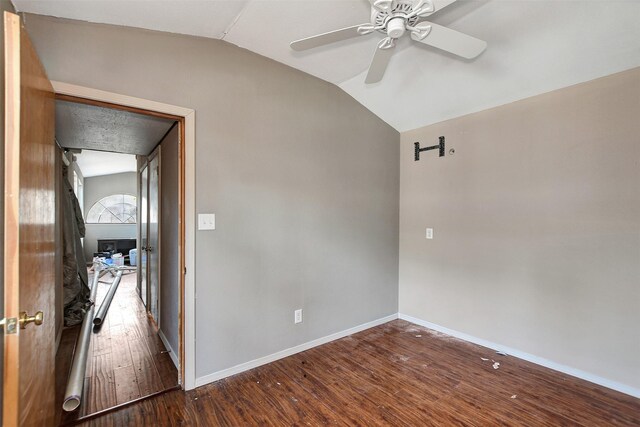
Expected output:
(133, 253)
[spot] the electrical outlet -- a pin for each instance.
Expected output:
(206, 221)
(297, 316)
(429, 233)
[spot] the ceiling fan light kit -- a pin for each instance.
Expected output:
(394, 18)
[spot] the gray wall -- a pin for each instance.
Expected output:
(536, 226)
(304, 182)
(169, 238)
(97, 187)
(4, 6)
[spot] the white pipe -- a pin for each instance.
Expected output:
(73, 392)
(106, 302)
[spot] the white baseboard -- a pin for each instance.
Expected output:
(623, 388)
(200, 381)
(172, 354)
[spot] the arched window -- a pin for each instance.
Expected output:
(114, 209)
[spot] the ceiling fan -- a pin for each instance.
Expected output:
(394, 18)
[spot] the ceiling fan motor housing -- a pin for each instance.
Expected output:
(383, 18)
(396, 28)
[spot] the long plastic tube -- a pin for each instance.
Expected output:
(73, 392)
(104, 307)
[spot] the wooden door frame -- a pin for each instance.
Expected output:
(186, 188)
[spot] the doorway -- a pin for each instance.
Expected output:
(31, 218)
(136, 352)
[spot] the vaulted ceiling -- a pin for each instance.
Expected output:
(534, 46)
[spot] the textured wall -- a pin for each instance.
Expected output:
(536, 226)
(304, 182)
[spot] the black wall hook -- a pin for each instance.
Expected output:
(440, 146)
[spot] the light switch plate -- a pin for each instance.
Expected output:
(429, 233)
(206, 221)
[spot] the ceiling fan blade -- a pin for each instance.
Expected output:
(429, 7)
(379, 63)
(440, 4)
(327, 38)
(450, 40)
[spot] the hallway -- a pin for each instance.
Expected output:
(127, 357)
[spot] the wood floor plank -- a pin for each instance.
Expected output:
(166, 369)
(362, 385)
(286, 398)
(149, 380)
(101, 342)
(126, 384)
(120, 353)
(103, 393)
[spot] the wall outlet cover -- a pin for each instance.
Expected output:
(297, 316)
(206, 221)
(429, 233)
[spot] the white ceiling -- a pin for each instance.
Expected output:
(98, 163)
(535, 46)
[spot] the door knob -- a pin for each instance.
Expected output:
(25, 319)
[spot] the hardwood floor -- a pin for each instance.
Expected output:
(395, 374)
(127, 360)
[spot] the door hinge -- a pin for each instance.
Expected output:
(10, 325)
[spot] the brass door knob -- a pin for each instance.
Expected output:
(25, 319)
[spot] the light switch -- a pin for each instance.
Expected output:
(429, 233)
(206, 221)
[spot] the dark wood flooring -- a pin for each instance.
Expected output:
(127, 360)
(397, 374)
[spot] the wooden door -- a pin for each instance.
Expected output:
(144, 233)
(153, 248)
(29, 221)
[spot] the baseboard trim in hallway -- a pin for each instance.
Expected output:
(172, 354)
